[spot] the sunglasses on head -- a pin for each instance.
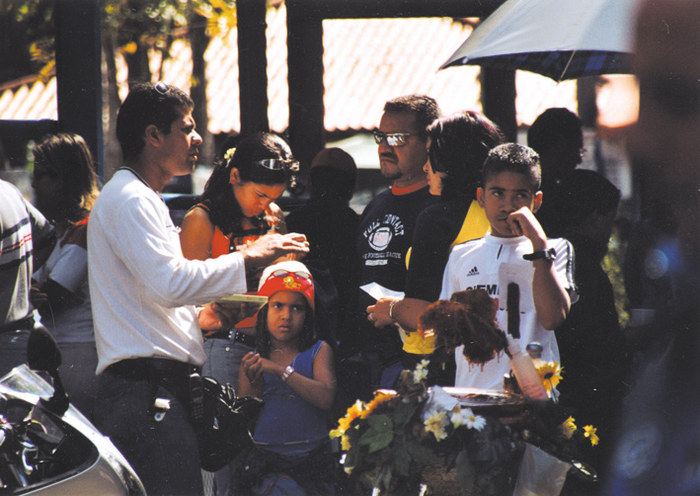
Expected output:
(282, 273)
(276, 164)
(392, 139)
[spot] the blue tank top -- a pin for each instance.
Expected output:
(288, 424)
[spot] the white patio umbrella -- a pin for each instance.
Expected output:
(560, 39)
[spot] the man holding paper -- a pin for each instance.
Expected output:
(385, 235)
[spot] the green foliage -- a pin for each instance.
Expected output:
(612, 265)
(379, 434)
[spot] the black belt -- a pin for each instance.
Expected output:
(149, 367)
(25, 323)
(238, 337)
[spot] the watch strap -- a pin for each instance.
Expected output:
(549, 254)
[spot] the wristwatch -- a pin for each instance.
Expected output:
(550, 254)
(287, 372)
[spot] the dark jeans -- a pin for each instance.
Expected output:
(163, 452)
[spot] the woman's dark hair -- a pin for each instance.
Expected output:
(307, 337)
(66, 156)
(146, 104)
(246, 158)
(459, 144)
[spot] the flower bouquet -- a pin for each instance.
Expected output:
(498, 441)
(389, 441)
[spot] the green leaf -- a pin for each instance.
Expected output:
(379, 434)
(404, 412)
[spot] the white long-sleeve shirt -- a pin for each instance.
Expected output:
(142, 288)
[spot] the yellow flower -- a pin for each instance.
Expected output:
(550, 374)
(353, 412)
(435, 423)
(379, 397)
(589, 432)
(568, 427)
(345, 443)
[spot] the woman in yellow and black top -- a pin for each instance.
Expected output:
(237, 206)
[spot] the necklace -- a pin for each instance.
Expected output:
(124, 167)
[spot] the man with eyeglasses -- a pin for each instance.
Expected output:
(143, 292)
(386, 230)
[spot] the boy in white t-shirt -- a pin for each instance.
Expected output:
(514, 262)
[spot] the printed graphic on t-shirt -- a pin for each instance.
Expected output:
(379, 234)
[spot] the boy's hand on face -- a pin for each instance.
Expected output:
(523, 223)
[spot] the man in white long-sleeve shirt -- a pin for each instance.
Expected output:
(143, 291)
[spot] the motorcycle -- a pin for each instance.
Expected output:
(47, 447)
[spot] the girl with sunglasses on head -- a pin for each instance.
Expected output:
(237, 206)
(293, 372)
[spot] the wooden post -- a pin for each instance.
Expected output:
(78, 72)
(498, 99)
(252, 66)
(305, 62)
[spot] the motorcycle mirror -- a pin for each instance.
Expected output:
(43, 354)
(42, 351)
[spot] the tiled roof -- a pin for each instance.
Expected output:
(366, 62)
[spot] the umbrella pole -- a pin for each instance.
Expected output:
(566, 67)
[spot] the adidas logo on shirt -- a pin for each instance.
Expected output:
(473, 272)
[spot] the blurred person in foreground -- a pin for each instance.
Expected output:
(658, 450)
(144, 290)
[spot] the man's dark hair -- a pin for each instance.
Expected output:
(513, 157)
(459, 144)
(553, 125)
(425, 108)
(146, 104)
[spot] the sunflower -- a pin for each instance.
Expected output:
(379, 397)
(550, 374)
(355, 410)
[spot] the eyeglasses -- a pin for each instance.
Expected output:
(161, 88)
(275, 164)
(392, 139)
